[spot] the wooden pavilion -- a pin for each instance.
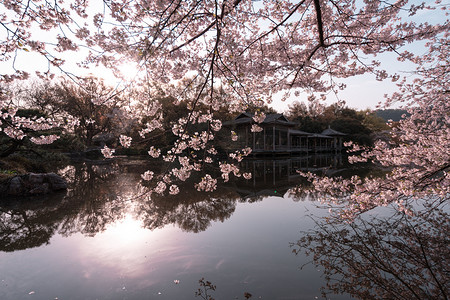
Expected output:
(278, 136)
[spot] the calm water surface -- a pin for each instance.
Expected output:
(105, 239)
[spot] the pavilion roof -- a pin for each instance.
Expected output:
(332, 132)
(298, 132)
(247, 118)
(318, 135)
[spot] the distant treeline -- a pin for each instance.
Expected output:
(391, 114)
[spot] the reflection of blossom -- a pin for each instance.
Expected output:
(383, 257)
(107, 152)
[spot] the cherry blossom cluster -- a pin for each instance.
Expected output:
(125, 141)
(148, 175)
(17, 127)
(259, 117)
(224, 42)
(234, 136)
(242, 52)
(239, 155)
(418, 155)
(44, 139)
(207, 184)
(153, 152)
(256, 128)
(226, 169)
(150, 126)
(107, 152)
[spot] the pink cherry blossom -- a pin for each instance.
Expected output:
(161, 186)
(153, 152)
(174, 190)
(256, 128)
(125, 141)
(234, 136)
(243, 53)
(107, 152)
(207, 184)
(148, 175)
(44, 139)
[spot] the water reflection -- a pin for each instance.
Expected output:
(194, 214)
(88, 207)
(25, 226)
(275, 177)
(102, 193)
(138, 237)
(384, 257)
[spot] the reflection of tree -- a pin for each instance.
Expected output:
(22, 228)
(194, 211)
(190, 210)
(396, 257)
(88, 207)
(96, 188)
(102, 193)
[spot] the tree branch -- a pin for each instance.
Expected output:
(319, 22)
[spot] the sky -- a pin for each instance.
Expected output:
(362, 91)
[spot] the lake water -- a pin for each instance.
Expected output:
(105, 239)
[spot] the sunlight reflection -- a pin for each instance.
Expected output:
(124, 248)
(126, 232)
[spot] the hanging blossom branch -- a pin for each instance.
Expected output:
(18, 127)
(224, 44)
(418, 156)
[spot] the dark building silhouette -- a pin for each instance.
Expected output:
(278, 136)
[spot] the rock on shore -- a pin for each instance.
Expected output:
(32, 184)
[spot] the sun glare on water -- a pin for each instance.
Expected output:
(125, 247)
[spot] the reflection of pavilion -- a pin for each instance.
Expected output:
(276, 176)
(279, 137)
